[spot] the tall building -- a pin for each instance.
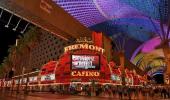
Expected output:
(50, 48)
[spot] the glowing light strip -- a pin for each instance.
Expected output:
(26, 74)
(157, 73)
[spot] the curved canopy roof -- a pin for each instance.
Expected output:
(138, 20)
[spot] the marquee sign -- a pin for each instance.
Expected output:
(85, 62)
(49, 77)
(33, 79)
(17, 81)
(24, 80)
(115, 77)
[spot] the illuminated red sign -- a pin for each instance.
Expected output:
(85, 73)
(48, 77)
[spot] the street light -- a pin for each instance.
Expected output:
(16, 44)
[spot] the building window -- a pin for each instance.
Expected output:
(60, 51)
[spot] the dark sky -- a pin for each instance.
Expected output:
(7, 35)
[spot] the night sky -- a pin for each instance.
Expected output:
(7, 35)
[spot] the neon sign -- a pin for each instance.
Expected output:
(84, 46)
(85, 73)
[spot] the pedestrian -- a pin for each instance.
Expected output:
(120, 90)
(164, 93)
(129, 93)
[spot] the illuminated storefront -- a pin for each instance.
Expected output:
(47, 73)
(131, 77)
(83, 62)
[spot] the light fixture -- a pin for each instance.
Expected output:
(7, 25)
(14, 29)
(25, 28)
(1, 13)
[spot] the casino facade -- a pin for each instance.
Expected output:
(84, 62)
(84, 65)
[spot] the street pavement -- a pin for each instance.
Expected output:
(49, 96)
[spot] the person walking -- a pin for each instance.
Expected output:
(120, 92)
(129, 92)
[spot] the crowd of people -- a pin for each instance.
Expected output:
(111, 91)
(123, 92)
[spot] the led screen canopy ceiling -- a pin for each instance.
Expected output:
(139, 20)
(92, 12)
(136, 18)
